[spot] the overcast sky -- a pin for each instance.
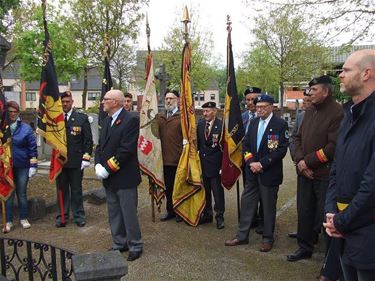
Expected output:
(162, 15)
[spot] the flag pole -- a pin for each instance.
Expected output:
(238, 200)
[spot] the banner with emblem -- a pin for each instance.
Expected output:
(189, 196)
(149, 145)
(51, 125)
(6, 172)
(233, 131)
(106, 83)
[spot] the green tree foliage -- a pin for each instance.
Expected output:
(5, 7)
(284, 51)
(202, 72)
(93, 22)
(28, 44)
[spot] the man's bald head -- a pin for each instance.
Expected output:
(113, 101)
(358, 75)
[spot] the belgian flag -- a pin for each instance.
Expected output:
(232, 131)
(51, 124)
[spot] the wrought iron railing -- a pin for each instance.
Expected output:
(27, 260)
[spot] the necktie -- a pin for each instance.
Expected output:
(260, 132)
(207, 130)
(169, 113)
(66, 117)
(251, 116)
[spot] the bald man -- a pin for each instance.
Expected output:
(117, 165)
(350, 204)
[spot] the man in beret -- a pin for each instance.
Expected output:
(128, 102)
(208, 138)
(264, 147)
(315, 145)
(250, 95)
(171, 147)
(79, 144)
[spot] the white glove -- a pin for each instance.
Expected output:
(101, 172)
(32, 172)
(85, 164)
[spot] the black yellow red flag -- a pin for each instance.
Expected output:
(232, 131)
(51, 125)
(6, 172)
(188, 194)
(106, 83)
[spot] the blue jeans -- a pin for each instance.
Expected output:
(21, 178)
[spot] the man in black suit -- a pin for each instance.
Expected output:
(208, 137)
(117, 165)
(264, 147)
(79, 144)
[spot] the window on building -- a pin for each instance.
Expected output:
(8, 88)
(201, 97)
(30, 96)
(212, 96)
(93, 96)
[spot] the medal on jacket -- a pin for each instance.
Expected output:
(273, 142)
(75, 131)
(215, 140)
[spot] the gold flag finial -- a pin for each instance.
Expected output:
(229, 23)
(186, 21)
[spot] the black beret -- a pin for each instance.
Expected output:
(325, 79)
(66, 94)
(173, 92)
(209, 104)
(265, 98)
(252, 90)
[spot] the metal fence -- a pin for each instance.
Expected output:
(27, 260)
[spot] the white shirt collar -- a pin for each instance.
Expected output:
(69, 113)
(267, 120)
(115, 115)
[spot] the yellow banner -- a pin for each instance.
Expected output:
(189, 196)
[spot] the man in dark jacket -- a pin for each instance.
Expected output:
(350, 204)
(117, 165)
(315, 145)
(208, 137)
(79, 144)
(264, 147)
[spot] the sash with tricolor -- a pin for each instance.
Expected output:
(188, 194)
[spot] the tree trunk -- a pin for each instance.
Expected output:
(281, 101)
(85, 86)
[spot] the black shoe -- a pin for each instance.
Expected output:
(205, 219)
(60, 224)
(167, 216)
(123, 249)
(300, 254)
(220, 223)
(134, 255)
(81, 223)
(292, 234)
(178, 219)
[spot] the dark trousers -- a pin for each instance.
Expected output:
(70, 183)
(169, 176)
(249, 203)
(331, 267)
(354, 274)
(214, 185)
(311, 196)
(259, 214)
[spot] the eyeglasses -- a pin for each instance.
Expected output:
(12, 111)
(107, 99)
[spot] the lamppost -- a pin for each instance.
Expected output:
(4, 48)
